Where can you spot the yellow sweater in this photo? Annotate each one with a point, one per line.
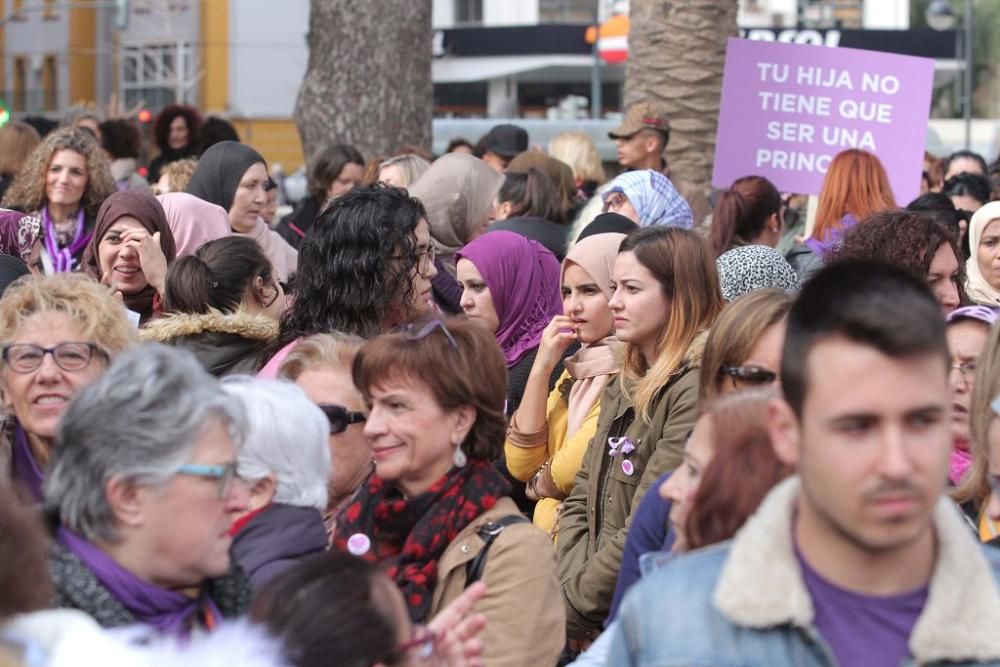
(567, 453)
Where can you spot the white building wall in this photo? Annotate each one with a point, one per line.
(509, 12)
(163, 22)
(443, 14)
(267, 57)
(35, 37)
(887, 14)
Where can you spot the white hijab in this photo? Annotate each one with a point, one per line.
(978, 288)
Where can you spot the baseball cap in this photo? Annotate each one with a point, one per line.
(507, 140)
(642, 116)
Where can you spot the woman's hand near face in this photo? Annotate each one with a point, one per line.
(151, 257)
(556, 339)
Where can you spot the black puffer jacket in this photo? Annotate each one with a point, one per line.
(224, 343)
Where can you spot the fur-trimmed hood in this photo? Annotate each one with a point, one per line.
(225, 343)
(761, 583)
(241, 323)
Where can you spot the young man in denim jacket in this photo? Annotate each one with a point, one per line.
(859, 559)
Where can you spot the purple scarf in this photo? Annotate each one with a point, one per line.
(523, 278)
(24, 466)
(167, 611)
(823, 247)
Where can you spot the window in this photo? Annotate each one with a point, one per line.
(17, 11)
(468, 12)
(20, 101)
(158, 74)
(566, 11)
(50, 84)
(49, 13)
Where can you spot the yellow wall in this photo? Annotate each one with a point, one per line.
(82, 55)
(214, 91)
(277, 139)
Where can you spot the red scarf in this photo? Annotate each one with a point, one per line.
(408, 535)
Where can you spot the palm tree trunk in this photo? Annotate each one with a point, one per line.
(677, 49)
(368, 82)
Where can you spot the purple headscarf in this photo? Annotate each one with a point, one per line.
(168, 611)
(18, 233)
(523, 278)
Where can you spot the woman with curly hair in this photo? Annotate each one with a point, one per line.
(64, 182)
(176, 132)
(915, 242)
(365, 266)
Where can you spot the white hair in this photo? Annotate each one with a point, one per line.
(287, 436)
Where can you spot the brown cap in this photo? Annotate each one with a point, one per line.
(642, 116)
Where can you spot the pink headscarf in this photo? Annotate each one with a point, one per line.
(193, 221)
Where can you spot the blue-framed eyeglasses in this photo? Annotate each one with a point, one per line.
(224, 474)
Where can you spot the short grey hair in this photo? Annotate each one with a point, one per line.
(139, 422)
(287, 435)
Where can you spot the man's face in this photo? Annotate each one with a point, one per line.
(871, 446)
(639, 149)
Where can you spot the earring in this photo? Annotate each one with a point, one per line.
(460, 459)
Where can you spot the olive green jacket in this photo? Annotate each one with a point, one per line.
(598, 512)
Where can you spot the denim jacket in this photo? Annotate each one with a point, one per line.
(744, 602)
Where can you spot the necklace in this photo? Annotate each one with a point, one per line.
(62, 258)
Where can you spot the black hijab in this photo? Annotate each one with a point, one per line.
(220, 170)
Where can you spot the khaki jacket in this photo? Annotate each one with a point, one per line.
(525, 618)
(598, 513)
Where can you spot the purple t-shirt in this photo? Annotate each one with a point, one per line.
(863, 629)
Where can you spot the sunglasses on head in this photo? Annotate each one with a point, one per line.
(340, 417)
(419, 330)
(754, 375)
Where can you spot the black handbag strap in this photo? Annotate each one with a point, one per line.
(488, 532)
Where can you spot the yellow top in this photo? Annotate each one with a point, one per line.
(988, 529)
(566, 453)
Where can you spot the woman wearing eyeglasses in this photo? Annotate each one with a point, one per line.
(321, 366)
(60, 333)
(435, 392)
(234, 176)
(131, 249)
(743, 351)
(647, 197)
(222, 303)
(285, 464)
(143, 480)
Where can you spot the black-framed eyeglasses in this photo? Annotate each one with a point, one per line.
(420, 330)
(71, 357)
(752, 375)
(224, 474)
(425, 257)
(340, 417)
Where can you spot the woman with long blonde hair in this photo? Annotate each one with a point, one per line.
(666, 296)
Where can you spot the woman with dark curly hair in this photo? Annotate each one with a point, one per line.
(365, 266)
(176, 133)
(63, 182)
(915, 242)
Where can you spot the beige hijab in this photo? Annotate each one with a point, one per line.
(458, 192)
(592, 366)
(978, 288)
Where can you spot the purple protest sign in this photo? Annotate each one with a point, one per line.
(788, 109)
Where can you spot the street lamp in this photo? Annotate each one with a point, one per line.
(941, 16)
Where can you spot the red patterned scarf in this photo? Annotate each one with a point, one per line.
(408, 535)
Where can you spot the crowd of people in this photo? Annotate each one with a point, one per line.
(491, 408)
